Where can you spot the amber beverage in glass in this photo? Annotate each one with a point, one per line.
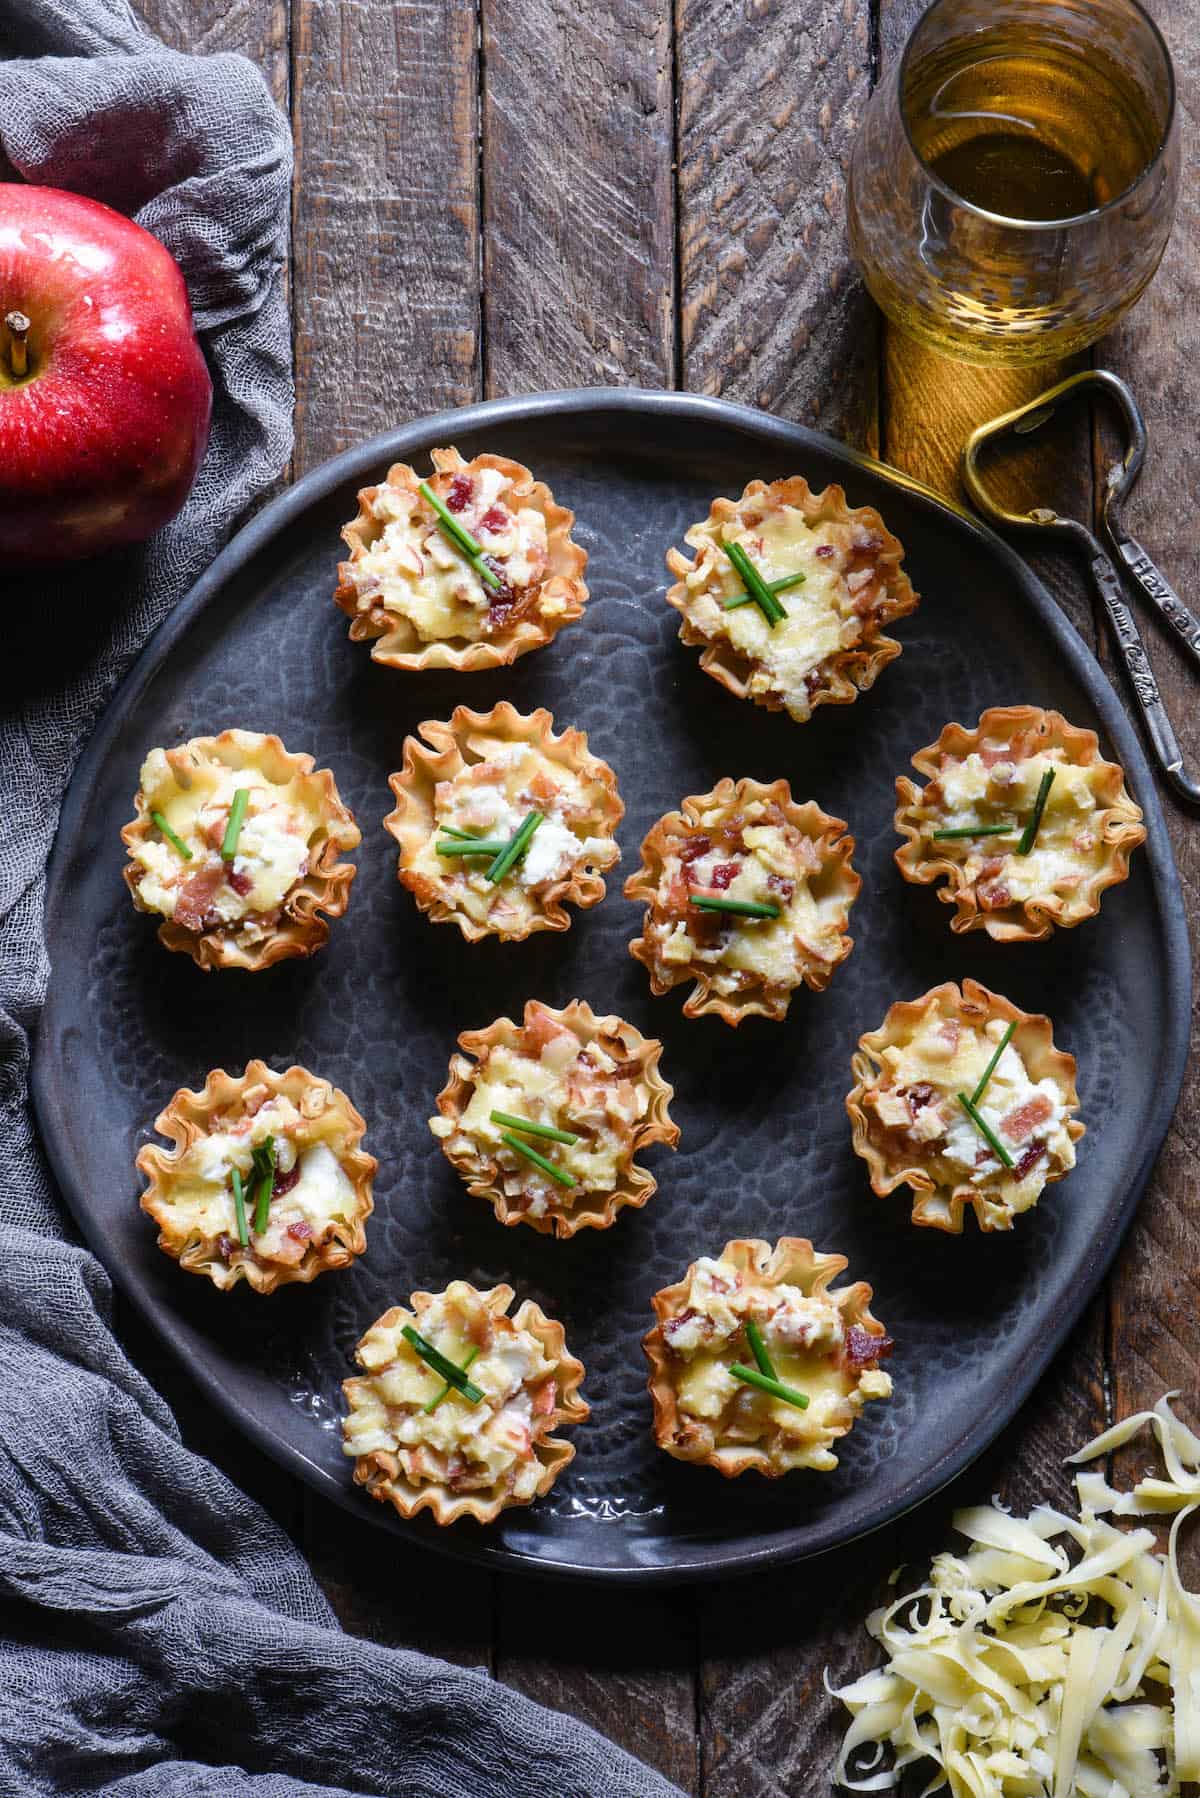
(1013, 183)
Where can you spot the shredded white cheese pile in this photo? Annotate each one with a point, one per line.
(1058, 1655)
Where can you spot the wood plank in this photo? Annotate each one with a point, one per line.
(255, 28)
(578, 194)
(769, 101)
(1156, 1288)
(385, 293)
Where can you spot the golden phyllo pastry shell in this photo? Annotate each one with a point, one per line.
(1116, 824)
(380, 1472)
(191, 1115)
(885, 594)
(449, 750)
(396, 643)
(942, 1207)
(792, 1262)
(621, 1042)
(320, 893)
(834, 848)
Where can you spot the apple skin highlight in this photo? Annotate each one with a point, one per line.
(101, 437)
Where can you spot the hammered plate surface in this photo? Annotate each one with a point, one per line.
(765, 1147)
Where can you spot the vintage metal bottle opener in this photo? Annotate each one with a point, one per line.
(1124, 554)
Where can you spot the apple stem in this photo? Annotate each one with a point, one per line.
(18, 348)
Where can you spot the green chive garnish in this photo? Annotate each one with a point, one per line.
(263, 1168)
(985, 1130)
(490, 846)
(239, 1206)
(733, 600)
(750, 1376)
(1035, 817)
(756, 587)
(453, 1376)
(758, 1349)
(746, 908)
(447, 1389)
(465, 836)
(233, 828)
(177, 843)
(990, 1069)
(547, 1167)
(976, 830)
(513, 851)
(529, 1128)
(460, 536)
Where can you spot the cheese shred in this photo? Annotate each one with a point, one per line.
(1058, 1655)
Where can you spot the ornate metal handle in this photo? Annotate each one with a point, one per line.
(1159, 729)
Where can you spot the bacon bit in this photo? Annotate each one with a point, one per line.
(990, 867)
(459, 496)
(825, 550)
(863, 1348)
(494, 519)
(1033, 1154)
(539, 1033)
(1017, 1125)
(543, 789)
(995, 898)
(777, 884)
(301, 1230)
(285, 1182)
(507, 605)
(673, 1325)
(193, 906)
(865, 600)
(1085, 841)
(544, 1399)
(919, 1096)
(694, 848)
(723, 873)
(227, 1246)
(214, 833)
(949, 1031)
(241, 883)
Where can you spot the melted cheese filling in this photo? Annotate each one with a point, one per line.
(805, 1338)
(918, 1101)
(1058, 1655)
(745, 950)
(567, 1086)
(491, 798)
(199, 1190)
(490, 1444)
(1070, 846)
(272, 846)
(822, 618)
(414, 571)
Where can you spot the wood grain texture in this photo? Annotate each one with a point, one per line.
(385, 293)
(1155, 1342)
(579, 264)
(769, 100)
(258, 29)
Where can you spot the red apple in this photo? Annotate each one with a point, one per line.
(104, 396)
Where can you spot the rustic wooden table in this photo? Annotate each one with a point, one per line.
(491, 199)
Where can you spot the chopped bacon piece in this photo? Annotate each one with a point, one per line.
(459, 496)
(723, 873)
(543, 789)
(825, 550)
(226, 1245)
(864, 1348)
(543, 1030)
(301, 1230)
(673, 1325)
(694, 848)
(214, 832)
(285, 1182)
(1032, 1155)
(919, 1096)
(543, 1399)
(995, 898)
(990, 867)
(241, 883)
(785, 888)
(1017, 1125)
(494, 519)
(508, 605)
(194, 904)
(949, 1030)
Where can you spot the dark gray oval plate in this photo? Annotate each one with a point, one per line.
(766, 1147)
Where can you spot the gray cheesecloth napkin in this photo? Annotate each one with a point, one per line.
(158, 1634)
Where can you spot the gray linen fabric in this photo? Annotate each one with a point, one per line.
(158, 1634)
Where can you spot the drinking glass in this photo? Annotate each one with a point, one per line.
(1013, 183)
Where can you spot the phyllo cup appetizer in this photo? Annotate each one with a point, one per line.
(1022, 820)
(469, 568)
(455, 1408)
(963, 1096)
(543, 1119)
(501, 823)
(756, 1364)
(788, 593)
(749, 896)
(236, 846)
(265, 1180)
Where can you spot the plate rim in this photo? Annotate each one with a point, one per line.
(708, 1560)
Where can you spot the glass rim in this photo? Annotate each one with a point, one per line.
(1074, 218)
